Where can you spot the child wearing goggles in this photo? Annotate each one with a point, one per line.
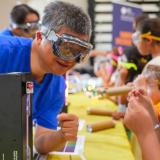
(147, 37)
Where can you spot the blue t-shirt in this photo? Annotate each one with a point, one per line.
(6, 32)
(48, 97)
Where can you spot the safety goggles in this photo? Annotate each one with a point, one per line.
(67, 47)
(27, 27)
(137, 37)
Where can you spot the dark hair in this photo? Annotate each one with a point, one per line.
(150, 25)
(61, 14)
(117, 51)
(19, 12)
(139, 19)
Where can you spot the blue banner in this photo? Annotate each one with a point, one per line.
(123, 17)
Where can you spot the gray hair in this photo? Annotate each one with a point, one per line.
(59, 14)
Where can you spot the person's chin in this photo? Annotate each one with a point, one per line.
(58, 72)
(145, 54)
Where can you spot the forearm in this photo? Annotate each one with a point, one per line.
(158, 133)
(155, 122)
(49, 141)
(150, 146)
(95, 53)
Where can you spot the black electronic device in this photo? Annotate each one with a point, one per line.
(16, 116)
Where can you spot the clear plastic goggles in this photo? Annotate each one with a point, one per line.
(27, 27)
(137, 37)
(68, 47)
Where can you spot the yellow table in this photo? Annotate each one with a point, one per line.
(111, 144)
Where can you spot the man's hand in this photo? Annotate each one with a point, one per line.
(69, 126)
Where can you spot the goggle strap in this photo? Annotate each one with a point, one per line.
(52, 36)
(49, 34)
(13, 25)
(148, 35)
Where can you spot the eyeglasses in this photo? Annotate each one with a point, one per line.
(137, 36)
(68, 47)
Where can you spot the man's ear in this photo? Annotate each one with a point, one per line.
(39, 36)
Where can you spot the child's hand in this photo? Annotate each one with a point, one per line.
(140, 115)
(137, 118)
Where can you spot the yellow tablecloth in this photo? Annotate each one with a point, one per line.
(111, 144)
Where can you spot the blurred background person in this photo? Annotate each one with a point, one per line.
(107, 64)
(140, 118)
(147, 39)
(130, 64)
(148, 82)
(24, 22)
